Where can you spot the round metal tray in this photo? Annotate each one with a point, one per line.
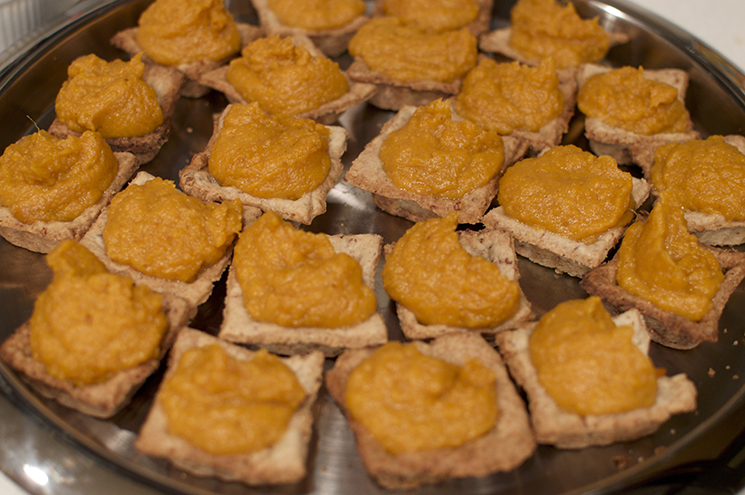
(79, 454)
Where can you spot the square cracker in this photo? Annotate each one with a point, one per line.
(166, 82)
(282, 462)
(625, 146)
(366, 172)
(238, 326)
(42, 237)
(327, 113)
(496, 246)
(197, 181)
(196, 291)
(567, 430)
(104, 399)
(126, 40)
(665, 327)
(503, 448)
(561, 253)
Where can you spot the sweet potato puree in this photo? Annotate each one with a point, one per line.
(410, 401)
(89, 324)
(296, 279)
(269, 157)
(545, 28)
(568, 191)
(433, 16)
(175, 32)
(625, 98)
(246, 405)
(587, 364)
(108, 97)
(706, 176)
(509, 96)
(163, 232)
(661, 262)
(285, 78)
(46, 179)
(407, 54)
(434, 155)
(430, 273)
(316, 14)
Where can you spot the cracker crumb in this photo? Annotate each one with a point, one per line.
(621, 462)
(672, 431)
(735, 342)
(659, 450)
(735, 377)
(726, 367)
(189, 130)
(711, 372)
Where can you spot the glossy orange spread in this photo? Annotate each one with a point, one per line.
(46, 179)
(89, 324)
(430, 273)
(174, 32)
(412, 402)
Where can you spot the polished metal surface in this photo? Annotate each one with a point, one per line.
(93, 456)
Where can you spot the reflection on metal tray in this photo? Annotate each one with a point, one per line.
(86, 455)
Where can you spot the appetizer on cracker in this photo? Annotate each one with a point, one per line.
(427, 162)
(588, 378)
(235, 414)
(53, 189)
(285, 165)
(292, 291)
(427, 413)
(94, 337)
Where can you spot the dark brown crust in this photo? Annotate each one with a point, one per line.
(503, 448)
(167, 83)
(197, 181)
(283, 462)
(567, 430)
(495, 246)
(332, 42)
(126, 40)
(666, 327)
(104, 399)
(366, 172)
(42, 237)
(325, 114)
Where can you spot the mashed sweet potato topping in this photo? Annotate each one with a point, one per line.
(706, 176)
(46, 179)
(625, 98)
(408, 54)
(430, 273)
(175, 32)
(410, 401)
(296, 279)
(316, 14)
(587, 364)
(433, 16)
(165, 233)
(285, 78)
(661, 262)
(108, 97)
(89, 324)
(509, 96)
(270, 157)
(245, 404)
(568, 191)
(545, 28)
(434, 155)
